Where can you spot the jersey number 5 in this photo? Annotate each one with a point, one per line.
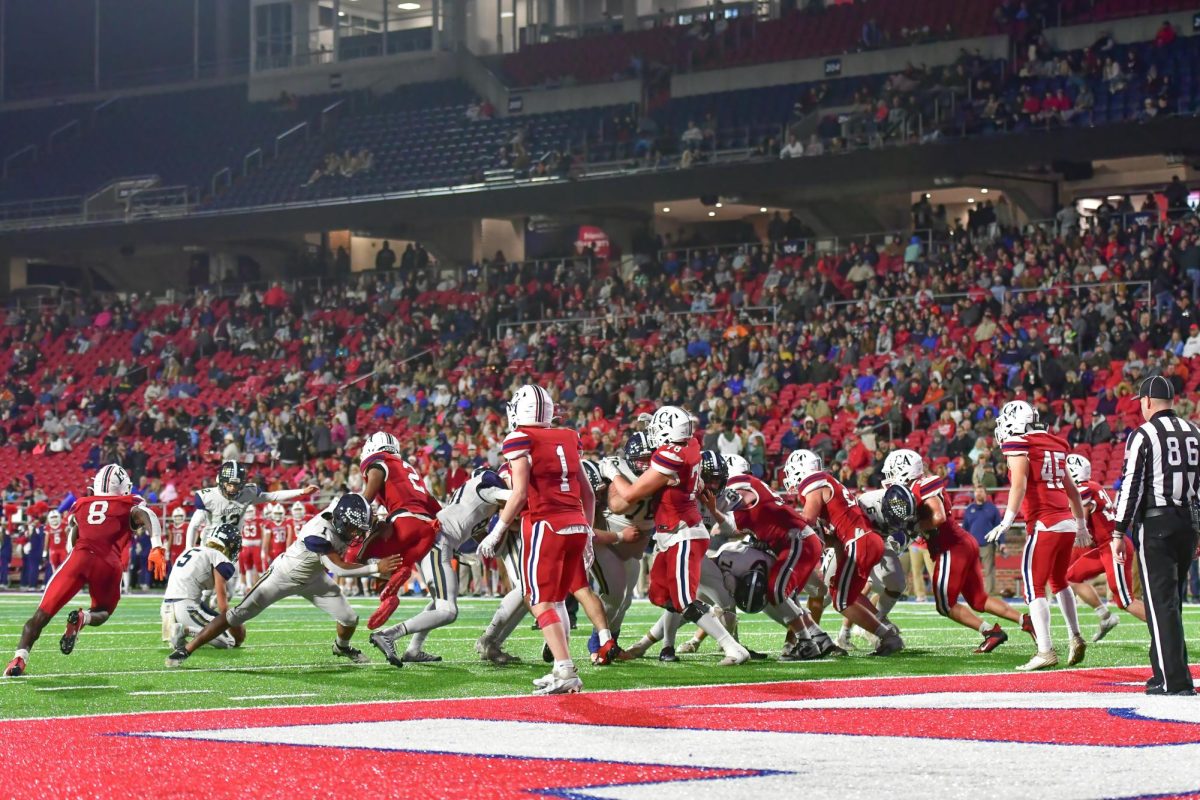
(1054, 469)
(97, 512)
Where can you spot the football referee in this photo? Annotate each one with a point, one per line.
(1158, 490)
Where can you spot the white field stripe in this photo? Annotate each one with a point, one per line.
(272, 696)
(72, 688)
(172, 691)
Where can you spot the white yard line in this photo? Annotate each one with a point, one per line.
(71, 688)
(273, 696)
(172, 691)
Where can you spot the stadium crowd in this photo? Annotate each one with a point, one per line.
(775, 345)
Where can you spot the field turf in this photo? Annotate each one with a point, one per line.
(286, 659)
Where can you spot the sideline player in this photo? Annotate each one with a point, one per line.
(56, 540)
(196, 572)
(858, 546)
(465, 515)
(556, 505)
(277, 531)
(1054, 521)
(177, 525)
(226, 503)
(302, 570)
(957, 570)
(250, 555)
(100, 527)
(675, 482)
(1096, 560)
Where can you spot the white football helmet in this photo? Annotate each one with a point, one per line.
(902, 467)
(379, 442)
(670, 425)
(298, 511)
(1079, 468)
(250, 515)
(275, 512)
(111, 481)
(799, 465)
(54, 520)
(179, 516)
(530, 405)
(1015, 418)
(736, 464)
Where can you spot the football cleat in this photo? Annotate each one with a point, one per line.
(827, 646)
(387, 607)
(607, 652)
(1076, 650)
(1040, 661)
(178, 636)
(735, 657)
(74, 624)
(843, 640)
(1106, 625)
(992, 639)
(15, 668)
(667, 655)
(1027, 626)
(630, 653)
(491, 652)
(755, 655)
(803, 650)
(690, 646)
(386, 645)
(565, 684)
(177, 658)
(888, 644)
(351, 652)
(420, 657)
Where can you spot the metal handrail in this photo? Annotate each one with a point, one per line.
(302, 126)
(29, 148)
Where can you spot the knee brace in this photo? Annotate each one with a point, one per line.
(695, 610)
(547, 618)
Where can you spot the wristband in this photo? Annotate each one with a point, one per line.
(499, 528)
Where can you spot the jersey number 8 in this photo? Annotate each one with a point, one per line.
(97, 512)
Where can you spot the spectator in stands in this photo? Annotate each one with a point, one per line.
(692, 136)
(1166, 35)
(1176, 193)
(793, 148)
(385, 259)
(979, 518)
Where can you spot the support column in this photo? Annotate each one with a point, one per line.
(435, 9)
(629, 15)
(337, 29)
(195, 39)
(96, 45)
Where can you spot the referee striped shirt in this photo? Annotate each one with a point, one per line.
(1162, 468)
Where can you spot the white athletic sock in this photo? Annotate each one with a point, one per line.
(397, 630)
(658, 630)
(846, 626)
(984, 628)
(21, 653)
(342, 643)
(1066, 604)
(671, 625)
(509, 606)
(886, 603)
(716, 630)
(565, 667)
(85, 617)
(1102, 611)
(605, 637)
(883, 630)
(1039, 615)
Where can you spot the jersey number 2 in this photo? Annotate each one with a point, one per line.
(97, 512)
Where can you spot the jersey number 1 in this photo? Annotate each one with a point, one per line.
(565, 486)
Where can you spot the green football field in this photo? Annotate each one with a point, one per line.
(286, 659)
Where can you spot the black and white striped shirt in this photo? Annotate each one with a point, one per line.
(1162, 468)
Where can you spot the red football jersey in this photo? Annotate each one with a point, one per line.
(841, 510)
(555, 474)
(770, 518)
(178, 537)
(251, 532)
(104, 524)
(57, 540)
(1045, 495)
(677, 504)
(403, 488)
(1102, 520)
(949, 533)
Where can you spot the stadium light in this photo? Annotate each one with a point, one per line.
(506, 14)
(409, 6)
(719, 205)
(762, 210)
(984, 190)
(970, 199)
(341, 13)
(666, 209)
(712, 213)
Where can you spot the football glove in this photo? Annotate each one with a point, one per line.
(157, 561)
(997, 533)
(729, 499)
(1082, 537)
(610, 468)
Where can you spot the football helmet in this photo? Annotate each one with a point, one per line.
(713, 471)
(231, 478)
(1079, 468)
(669, 425)
(592, 471)
(902, 467)
(54, 520)
(530, 405)
(351, 517)
(225, 538)
(250, 515)
(299, 512)
(275, 512)
(638, 452)
(379, 442)
(1015, 418)
(111, 481)
(736, 465)
(899, 507)
(750, 594)
(799, 465)
(178, 516)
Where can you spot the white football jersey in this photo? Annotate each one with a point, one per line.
(220, 510)
(469, 510)
(736, 559)
(300, 563)
(641, 517)
(872, 503)
(192, 574)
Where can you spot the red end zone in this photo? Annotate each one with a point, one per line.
(1090, 733)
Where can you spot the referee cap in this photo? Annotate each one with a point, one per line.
(1157, 388)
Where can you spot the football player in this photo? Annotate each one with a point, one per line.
(466, 515)
(411, 525)
(99, 527)
(226, 503)
(1054, 521)
(557, 506)
(858, 546)
(177, 526)
(512, 608)
(196, 572)
(1098, 559)
(278, 532)
(957, 570)
(674, 482)
(250, 557)
(302, 571)
(57, 546)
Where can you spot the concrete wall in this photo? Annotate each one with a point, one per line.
(507, 235)
(380, 74)
(541, 101)
(853, 65)
(1139, 29)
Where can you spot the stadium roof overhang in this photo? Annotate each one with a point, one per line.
(769, 181)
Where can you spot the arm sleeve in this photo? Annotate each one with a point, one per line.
(225, 570)
(316, 544)
(282, 496)
(352, 572)
(194, 527)
(1132, 478)
(155, 527)
(493, 495)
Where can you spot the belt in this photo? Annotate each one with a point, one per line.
(1163, 511)
(404, 513)
(176, 600)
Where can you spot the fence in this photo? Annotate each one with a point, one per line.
(754, 315)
